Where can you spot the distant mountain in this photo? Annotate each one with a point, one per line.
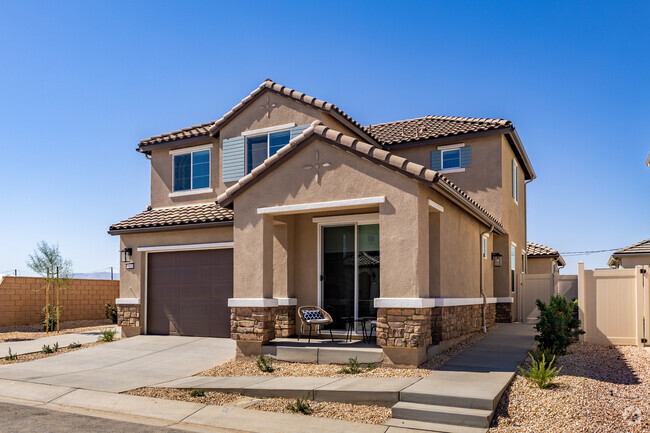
(97, 276)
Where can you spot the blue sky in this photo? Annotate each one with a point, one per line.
(82, 82)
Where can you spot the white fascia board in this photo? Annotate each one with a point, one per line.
(436, 206)
(324, 205)
(253, 302)
(283, 302)
(188, 247)
(430, 302)
(269, 129)
(127, 301)
(190, 149)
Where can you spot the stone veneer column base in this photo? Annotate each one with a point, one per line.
(452, 322)
(285, 321)
(128, 318)
(504, 312)
(404, 334)
(251, 327)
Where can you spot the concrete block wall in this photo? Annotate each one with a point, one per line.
(22, 299)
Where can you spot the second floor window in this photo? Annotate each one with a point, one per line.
(192, 170)
(260, 147)
(450, 159)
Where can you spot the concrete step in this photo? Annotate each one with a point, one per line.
(441, 399)
(401, 425)
(442, 414)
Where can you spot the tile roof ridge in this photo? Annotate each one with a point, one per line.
(629, 247)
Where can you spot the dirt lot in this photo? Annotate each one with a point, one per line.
(600, 389)
(31, 332)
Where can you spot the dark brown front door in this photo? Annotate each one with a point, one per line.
(187, 293)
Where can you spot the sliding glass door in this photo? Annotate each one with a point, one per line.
(350, 272)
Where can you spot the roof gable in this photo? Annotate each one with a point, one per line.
(642, 248)
(534, 250)
(412, 170)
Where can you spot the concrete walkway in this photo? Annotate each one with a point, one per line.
(134, 362)
(35, 345)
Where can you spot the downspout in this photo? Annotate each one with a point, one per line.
(484, 307)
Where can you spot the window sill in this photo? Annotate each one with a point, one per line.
(452, 170)
(191, 192)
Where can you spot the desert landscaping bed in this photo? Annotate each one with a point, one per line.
(285, 369)
(39, 355)
(342, 411)
(31, 332)
(600, 389)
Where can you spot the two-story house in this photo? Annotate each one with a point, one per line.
(287, 201)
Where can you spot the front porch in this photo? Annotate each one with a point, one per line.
(323, 350)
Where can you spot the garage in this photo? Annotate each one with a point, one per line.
(188, 291)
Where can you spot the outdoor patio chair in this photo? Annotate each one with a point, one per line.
(314, 316)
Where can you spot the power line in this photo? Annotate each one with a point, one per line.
(586, 253)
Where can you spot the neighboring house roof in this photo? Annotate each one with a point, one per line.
(534, 250)
(184, 216)
(640, 248)
(416, 171)
(429, 127)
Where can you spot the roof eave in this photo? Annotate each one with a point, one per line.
(519, 146)
(181, 226)
(188, 141)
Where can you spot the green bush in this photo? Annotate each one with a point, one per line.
(74, 345)
(197, 393)
(52, 321)
(265, 364)
(107, 335)
(111, 312)
(47, 349)
(558, 325)
(546, 354)
(11, 356)
(541, 372)
(353, 367)
(301, 406)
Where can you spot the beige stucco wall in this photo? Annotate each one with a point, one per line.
(132, 281)
(540, 265)
(629, 262)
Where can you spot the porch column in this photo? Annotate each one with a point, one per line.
(283, 289)
(252, 308)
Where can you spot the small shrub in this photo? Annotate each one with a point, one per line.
(540, 353)
(107, 335)
(265, 364)
(74, 345)
(370, 367)
(111, 312)
(301, 406)
(353, 367)
(541, 372)
(197, 393)
(47, 349)
(11, 356)
(558, 326)
(49, 326)
(55, 347)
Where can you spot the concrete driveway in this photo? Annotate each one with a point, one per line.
(125, 364)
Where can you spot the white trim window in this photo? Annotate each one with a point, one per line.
(554, 267)
(191, 169)
(513, 256)
(484, 249)
(262, 146)
(515, 181)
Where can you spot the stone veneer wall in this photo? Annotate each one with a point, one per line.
(128, 315)
(453, 322)
(254, 324)
(403, 327)
(285, 321)
(504, 312)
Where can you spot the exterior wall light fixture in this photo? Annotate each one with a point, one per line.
(497, 260)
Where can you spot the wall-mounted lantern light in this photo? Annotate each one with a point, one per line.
(125, 255)
(497, 259)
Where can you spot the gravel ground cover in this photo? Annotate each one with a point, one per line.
(38, 355)
(31, 332)
(347, 412)
(600, 389)
(210, 397)
(284, 369)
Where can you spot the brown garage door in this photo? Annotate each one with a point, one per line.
(187, 293)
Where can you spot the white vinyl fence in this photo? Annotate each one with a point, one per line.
(542, 287)
(614, 305)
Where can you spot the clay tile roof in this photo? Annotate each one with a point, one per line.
(642, 247)
(202, 130)
(395, 162)
(175, 216)
(537, 250)
(430, 127)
